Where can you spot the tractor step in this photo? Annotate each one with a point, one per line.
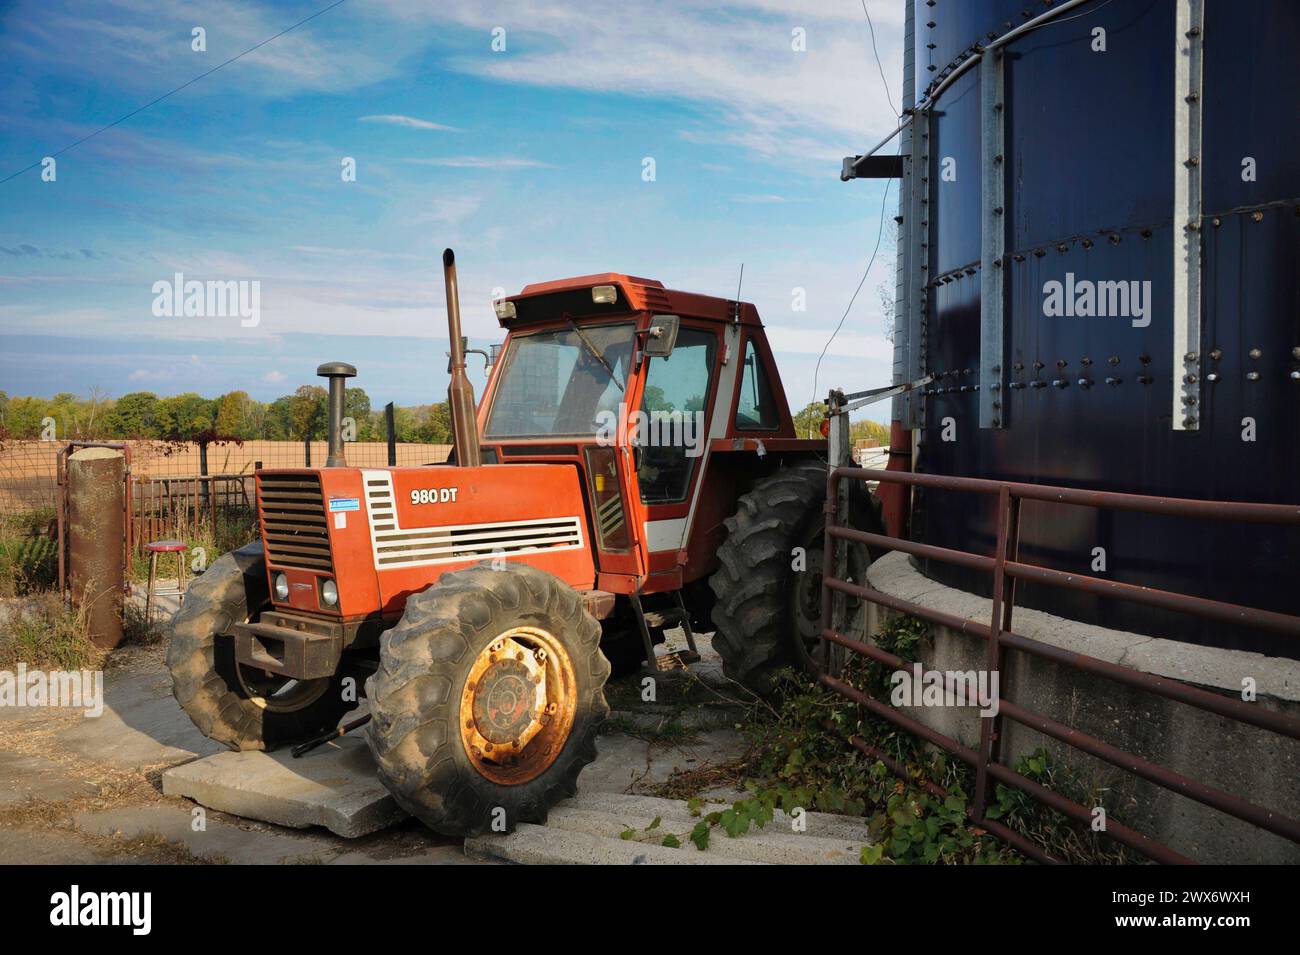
(682, 659)
(661, 618)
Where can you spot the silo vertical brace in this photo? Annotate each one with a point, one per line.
(1189, 37)
(992, 240)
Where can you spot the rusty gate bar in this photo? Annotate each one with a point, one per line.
(1161, 686)
(1216, 798)
(1116, 830)
(1006, 569)
(990, 729)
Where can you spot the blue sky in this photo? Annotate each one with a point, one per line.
(528, 161)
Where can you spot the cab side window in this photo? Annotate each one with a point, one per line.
(674, 418)
(755, 408)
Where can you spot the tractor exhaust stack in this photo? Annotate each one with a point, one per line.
(460, 393)
(338, 372)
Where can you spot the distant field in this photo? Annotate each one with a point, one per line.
(27, 468)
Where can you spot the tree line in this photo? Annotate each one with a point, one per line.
(300, 416)
(235, 415)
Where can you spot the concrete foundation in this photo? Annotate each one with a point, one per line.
(1245, 761)
(335, 786)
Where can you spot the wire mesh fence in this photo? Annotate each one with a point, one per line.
(180, 486)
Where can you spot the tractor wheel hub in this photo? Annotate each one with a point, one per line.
(510, 698)
(518, 705)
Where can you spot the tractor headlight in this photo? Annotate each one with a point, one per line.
(604, 294)
(281, 587)
(329, 594)
(505, 310)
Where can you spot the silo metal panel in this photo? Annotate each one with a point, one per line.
(1090, 195)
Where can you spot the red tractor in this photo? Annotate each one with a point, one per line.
(633, 467)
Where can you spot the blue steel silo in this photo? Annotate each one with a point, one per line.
(1100, 259)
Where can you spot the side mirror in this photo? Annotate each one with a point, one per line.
(661, 336)
(494, 353)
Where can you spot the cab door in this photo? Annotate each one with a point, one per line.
(615, 516)
(671, 432)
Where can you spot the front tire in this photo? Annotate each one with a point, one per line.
(239, 708)
(488, 698)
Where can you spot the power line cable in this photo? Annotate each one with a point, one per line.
(871, 26)
(159, 99)
(880, 233)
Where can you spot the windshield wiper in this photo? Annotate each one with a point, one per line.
(595, 351)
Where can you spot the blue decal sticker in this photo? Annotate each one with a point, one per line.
(345, 504)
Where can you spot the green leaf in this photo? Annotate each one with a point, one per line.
(671, 842)
(700, 835)
(695, 804)
(655, 824)
(627, 834)
(872, 854)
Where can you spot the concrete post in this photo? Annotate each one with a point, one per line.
(96, 539)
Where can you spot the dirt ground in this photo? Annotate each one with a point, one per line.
(77, 789)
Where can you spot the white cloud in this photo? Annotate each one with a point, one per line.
(479, 162)
(273, 377)
(737, 59)
(408, 121)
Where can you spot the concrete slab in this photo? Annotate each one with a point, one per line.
(639, 811)
(541, 845)
(631, 764)
(335, 786)
(607, 828)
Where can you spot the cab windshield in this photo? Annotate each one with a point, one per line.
(555, 383)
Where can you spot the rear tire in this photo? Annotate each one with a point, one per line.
(767, 614)
(223, 698)
(436, 708)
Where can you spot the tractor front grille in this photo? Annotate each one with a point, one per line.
(294, 530)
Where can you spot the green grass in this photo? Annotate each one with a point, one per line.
(45, 634)
(29, 560)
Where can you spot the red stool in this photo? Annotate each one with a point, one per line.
(164, 547)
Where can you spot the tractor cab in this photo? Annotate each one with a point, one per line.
(655, 397)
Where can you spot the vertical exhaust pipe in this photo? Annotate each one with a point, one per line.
(338, 372)
(460, 393)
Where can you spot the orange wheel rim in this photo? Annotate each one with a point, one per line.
(518, 705)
